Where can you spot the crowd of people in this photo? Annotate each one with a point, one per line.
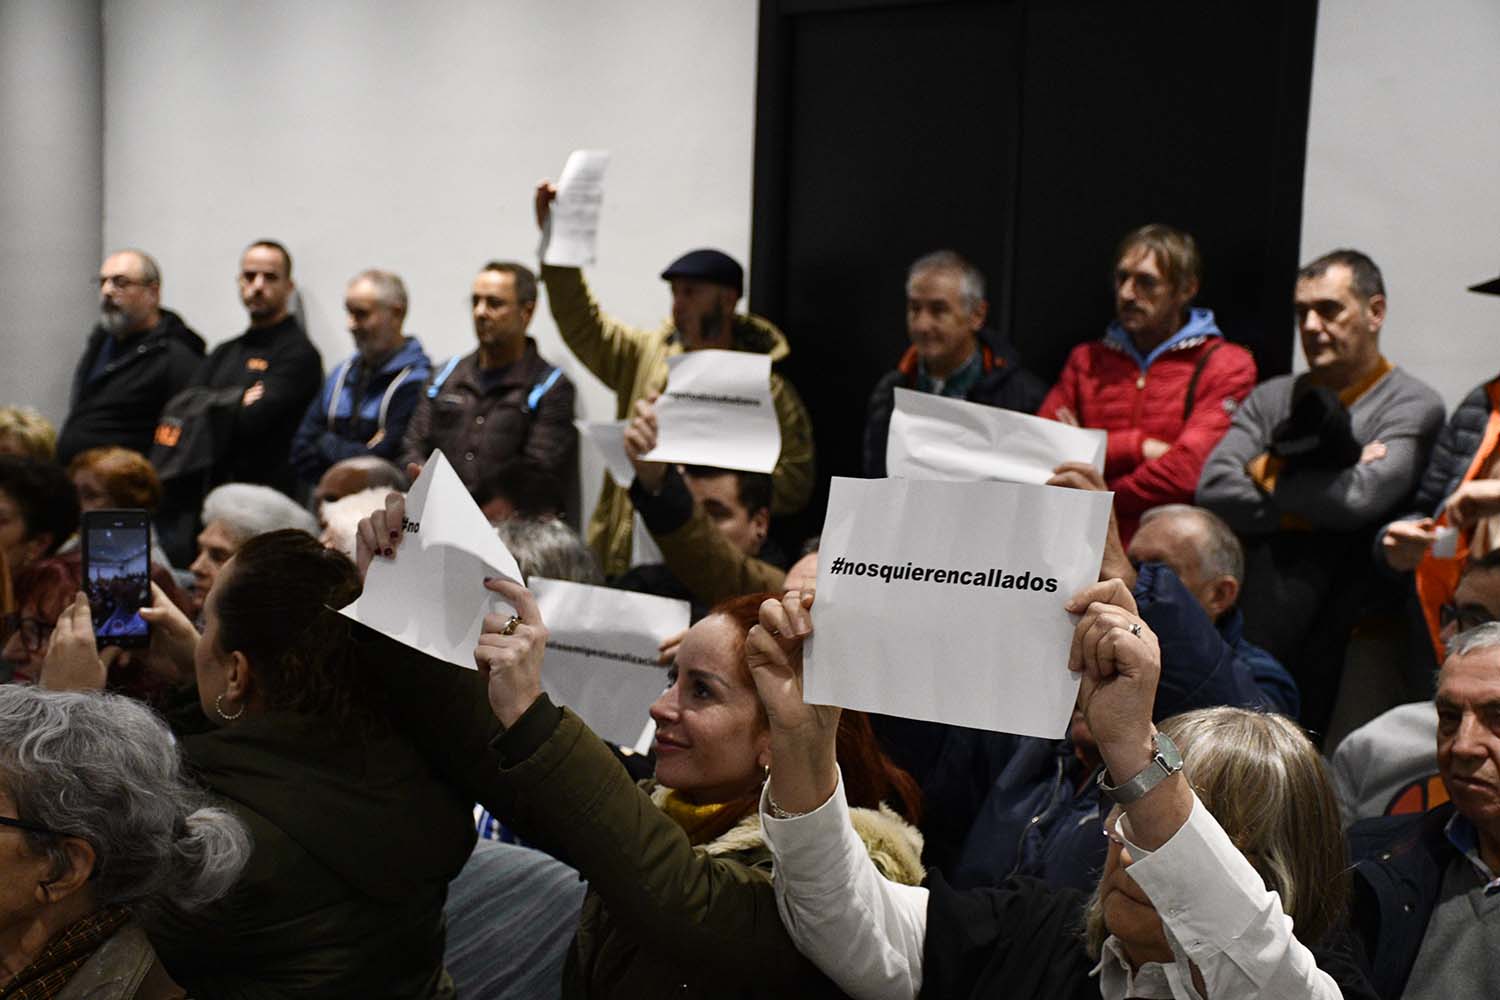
(1281, 778)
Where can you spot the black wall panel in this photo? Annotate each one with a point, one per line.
(1029, 135)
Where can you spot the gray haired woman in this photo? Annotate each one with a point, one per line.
(96, 825)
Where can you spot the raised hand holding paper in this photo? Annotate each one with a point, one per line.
(933, 437)
(944, 601)
(431, 596)
(601, 654)
(717, 410)
(571, 235)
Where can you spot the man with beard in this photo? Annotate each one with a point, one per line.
(137, 357)
(273, 370)
(706, 285)
(1163, 381)
(503, 401)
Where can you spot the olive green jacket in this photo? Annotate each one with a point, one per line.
(662, 917)
(633, 362)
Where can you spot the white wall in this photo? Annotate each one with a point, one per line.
(410, 136)
(50, 195)
(1403, 162)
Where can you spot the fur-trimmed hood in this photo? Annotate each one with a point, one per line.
(893, 844)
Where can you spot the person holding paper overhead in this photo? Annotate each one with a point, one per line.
(710, 524)
(680, 900)
(1163, 381)
(1180, 911)
(706, 285)
(952, 352)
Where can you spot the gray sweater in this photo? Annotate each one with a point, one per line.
(1399, 411)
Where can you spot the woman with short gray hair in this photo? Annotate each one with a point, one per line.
(97, 824)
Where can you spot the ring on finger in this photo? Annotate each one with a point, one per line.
(1135, 629)
(510, 626)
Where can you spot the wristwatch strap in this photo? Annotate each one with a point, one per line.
(1164, 763)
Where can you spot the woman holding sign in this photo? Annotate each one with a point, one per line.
(1179, 911)
(680, 901)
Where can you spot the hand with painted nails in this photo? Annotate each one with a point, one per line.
(380, 533)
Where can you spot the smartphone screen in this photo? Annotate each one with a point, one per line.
(117, 574)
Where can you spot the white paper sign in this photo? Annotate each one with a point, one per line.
(608, 438)
(601, 654)
(571, 233)
(933, 437)
(431, 596)
(944, 601)
(717, 410)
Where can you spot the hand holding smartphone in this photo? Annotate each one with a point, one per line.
(117, 575)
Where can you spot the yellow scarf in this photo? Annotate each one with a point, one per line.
(693, 818)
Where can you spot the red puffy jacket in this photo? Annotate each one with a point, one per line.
(1105, 388)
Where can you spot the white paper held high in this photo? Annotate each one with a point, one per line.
(431, 596)
(571, 235)
(944, 601)
(717, 410)
(933, 437)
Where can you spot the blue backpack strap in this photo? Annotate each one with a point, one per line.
(540, 389)
(442, 376)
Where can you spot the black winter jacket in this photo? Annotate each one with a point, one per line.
(1398, 874)
(120, 407)
(1004, 384)
(1453, 451)
(285, 362)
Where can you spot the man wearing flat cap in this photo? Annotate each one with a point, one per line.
(706, 285)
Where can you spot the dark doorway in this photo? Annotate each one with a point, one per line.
(1029, 135)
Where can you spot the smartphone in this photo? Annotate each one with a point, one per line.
(117, 575)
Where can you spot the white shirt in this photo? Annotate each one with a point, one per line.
(866, 933)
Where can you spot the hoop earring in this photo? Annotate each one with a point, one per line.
(219, 707)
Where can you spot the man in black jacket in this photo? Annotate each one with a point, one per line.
(274, 366)
(137, 357)
(952, 352)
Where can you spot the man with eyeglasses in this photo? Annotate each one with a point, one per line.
(137, 357)
(1387, 766)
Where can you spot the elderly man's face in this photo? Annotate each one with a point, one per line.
(1178, 541)
(265, 285)
(699, 311)
(1340, 331)
(127, 304)
(942, 327)
(374, 323)
(216, 546)
(1468, 747)
(1147, 305)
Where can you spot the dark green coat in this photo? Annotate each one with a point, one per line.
(661, 918)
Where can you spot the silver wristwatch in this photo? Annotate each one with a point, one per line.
(1164, 763)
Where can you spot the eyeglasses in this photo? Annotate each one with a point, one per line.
(31, 827)
(120, 282)
(1467, 616)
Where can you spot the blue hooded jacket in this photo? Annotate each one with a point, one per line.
(1200, 324)
(338, 425)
